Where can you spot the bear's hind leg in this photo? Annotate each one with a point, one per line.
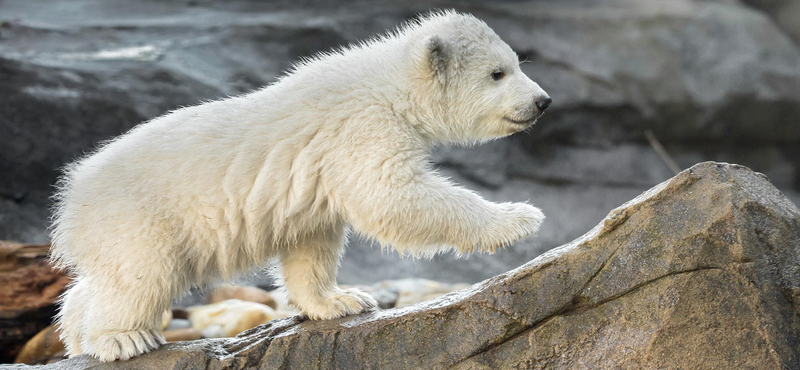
(126, 312)
(70, 317)
(309, 274)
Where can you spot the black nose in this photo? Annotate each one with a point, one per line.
(543, 103)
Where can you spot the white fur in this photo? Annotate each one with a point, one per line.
(209, 191)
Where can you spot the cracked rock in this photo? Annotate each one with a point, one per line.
(700, 272)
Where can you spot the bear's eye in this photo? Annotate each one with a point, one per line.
(497, 75)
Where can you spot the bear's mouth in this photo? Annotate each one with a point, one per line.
(525, 122)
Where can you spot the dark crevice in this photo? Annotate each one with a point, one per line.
(583, 308)
(599, 270)
(564, 181)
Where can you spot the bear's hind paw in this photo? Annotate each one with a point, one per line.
(124, 345)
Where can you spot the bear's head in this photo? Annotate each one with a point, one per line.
(476, 90)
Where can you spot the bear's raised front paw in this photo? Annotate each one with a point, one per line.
(519, 220)
(122, 345)
(525, 218)
(339, 303)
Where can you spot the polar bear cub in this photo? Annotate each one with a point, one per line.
(206, 192)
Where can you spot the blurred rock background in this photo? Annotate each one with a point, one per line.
(709, 80)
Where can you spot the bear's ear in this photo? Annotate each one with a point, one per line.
(434, 57)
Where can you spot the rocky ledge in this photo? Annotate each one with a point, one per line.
(700, 272)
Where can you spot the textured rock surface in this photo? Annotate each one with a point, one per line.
(714, 80)
(700, 272)
(28, 290)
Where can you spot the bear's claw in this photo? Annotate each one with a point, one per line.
(341, 302)
(124, 345)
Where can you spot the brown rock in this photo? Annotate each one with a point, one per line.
(179, 335)
(700, 272)
(42, 346)
(244, 293)
(230, 317)
(29, 288)
(411, 291)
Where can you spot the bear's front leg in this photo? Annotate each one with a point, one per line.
(309, 275)
(418, 211)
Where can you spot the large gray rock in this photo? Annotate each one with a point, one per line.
(786, 14)
(50, 116)
(700, 272)
(689, 70)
